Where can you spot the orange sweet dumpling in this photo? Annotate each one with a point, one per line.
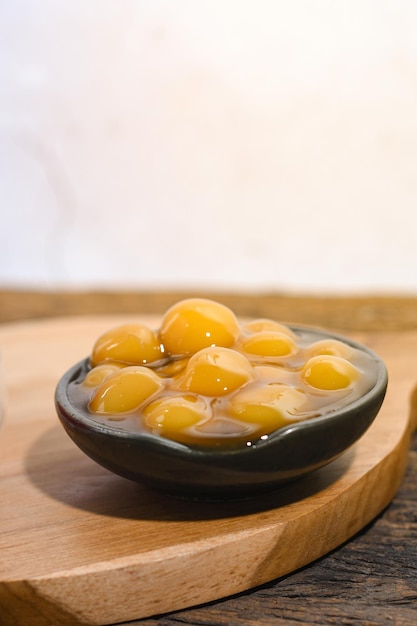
(197, 323)
(269, 343)
(328, 372)
(270, 406)
(133, 344)
(173, 414)
(125, 391)
(216, 372)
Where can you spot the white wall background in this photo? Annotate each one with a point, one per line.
(247, 144)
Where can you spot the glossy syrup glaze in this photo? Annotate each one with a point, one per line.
(204, 378)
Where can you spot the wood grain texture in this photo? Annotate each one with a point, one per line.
(362, 313)
(81, 546)
(369, 581)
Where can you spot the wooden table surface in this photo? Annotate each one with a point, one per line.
(372, 579)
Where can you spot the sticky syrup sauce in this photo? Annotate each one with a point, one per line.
(203, 378)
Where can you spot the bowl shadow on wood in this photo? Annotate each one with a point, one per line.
(56, 467)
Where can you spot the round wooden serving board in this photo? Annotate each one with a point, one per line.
(80, 545)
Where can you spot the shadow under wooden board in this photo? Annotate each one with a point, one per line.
(80, 545)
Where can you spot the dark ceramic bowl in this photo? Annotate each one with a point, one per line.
(207, 473)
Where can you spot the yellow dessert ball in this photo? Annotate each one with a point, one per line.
(96, 375)
(216, 372)
(125, 391)
(328, 372)
(269, 343)
(133, 344)
(270, 406)
(196, 323)
(171, 415)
